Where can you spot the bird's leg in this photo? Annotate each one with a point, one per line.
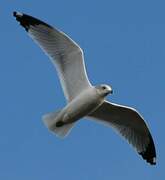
(59, 123)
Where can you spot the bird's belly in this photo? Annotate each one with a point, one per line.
(81, 106)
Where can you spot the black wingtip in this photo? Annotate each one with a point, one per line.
(26, 21)
(17, 14)
(150, 153)
(14, 13)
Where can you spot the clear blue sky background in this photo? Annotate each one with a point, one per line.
(124, 45)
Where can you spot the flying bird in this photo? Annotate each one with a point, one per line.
(84, 99)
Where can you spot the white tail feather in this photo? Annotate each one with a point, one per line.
(50, 121)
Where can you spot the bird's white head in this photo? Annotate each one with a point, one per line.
(104, 90)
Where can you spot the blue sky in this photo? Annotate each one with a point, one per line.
(124, 46)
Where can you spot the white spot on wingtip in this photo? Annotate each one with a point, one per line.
(19, 14)
(154, 160)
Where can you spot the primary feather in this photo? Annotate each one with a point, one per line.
(65, 54)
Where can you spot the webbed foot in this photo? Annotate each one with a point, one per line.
(59, 124)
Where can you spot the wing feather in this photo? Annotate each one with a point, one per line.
(130, 124)
(65, 54)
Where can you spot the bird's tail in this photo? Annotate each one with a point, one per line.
(50, 120)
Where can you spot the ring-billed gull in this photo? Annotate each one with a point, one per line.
(83, 99)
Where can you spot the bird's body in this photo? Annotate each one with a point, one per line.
(81, 106)
(83, 99)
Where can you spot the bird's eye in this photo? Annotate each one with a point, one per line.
(103, 87)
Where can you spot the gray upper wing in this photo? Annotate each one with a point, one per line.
(128, 122)
(65, 54)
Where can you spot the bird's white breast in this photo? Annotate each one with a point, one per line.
(82, 105)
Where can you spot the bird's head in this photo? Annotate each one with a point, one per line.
(104, 89)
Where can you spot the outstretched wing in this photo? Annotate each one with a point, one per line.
(129, 124)
(63, 51)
